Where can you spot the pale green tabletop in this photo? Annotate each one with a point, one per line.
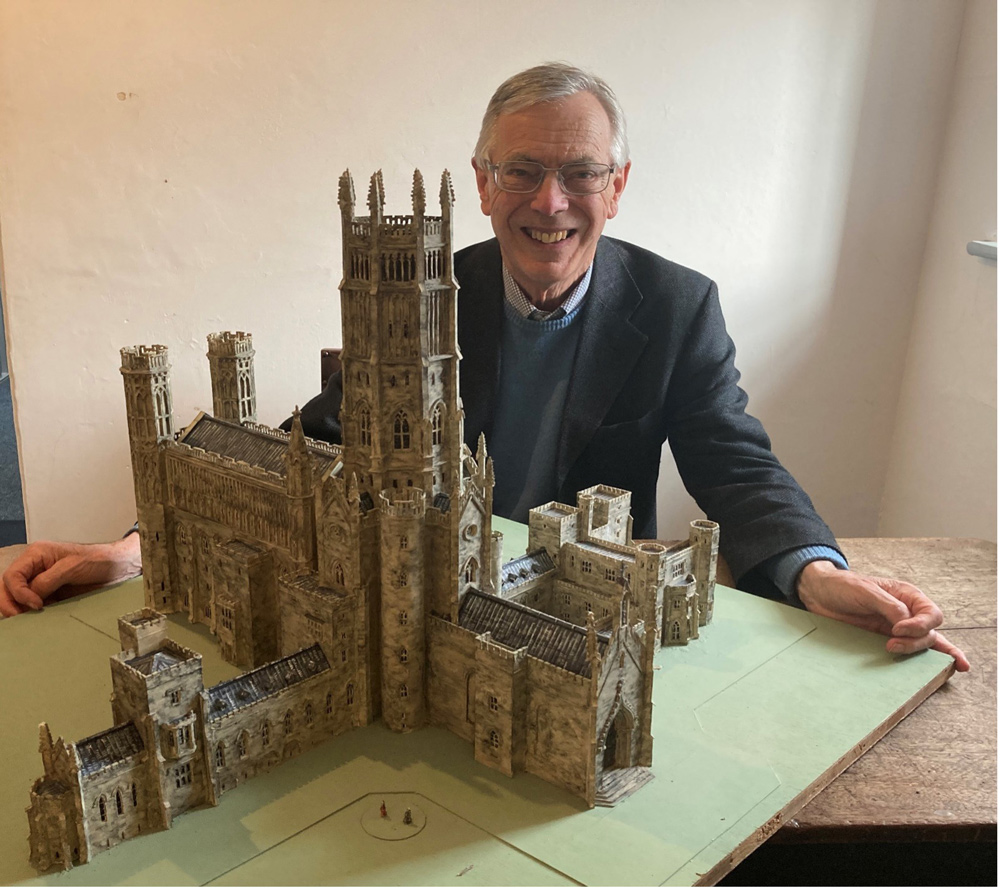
(749, 722)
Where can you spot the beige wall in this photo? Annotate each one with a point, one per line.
(170, 169)
(943, 476)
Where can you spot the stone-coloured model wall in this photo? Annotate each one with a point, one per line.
(451, 658)
(169, 693)
(253, 739)
(535, 593)
(56, 834)
(501, 703)
(571, 601)
(622, 685)
(441, 534)
(598, 568)
(241, 502)
(403, 611)
(245, 604)
(108, 825)
(560, 727)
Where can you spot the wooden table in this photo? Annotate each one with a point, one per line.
(933, 778)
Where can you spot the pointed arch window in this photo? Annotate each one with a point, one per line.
(102, 805)
(265, 734)
(241, 746)
(288, 722)
(471, 571)
(350, 692)
(338, 572)
(437, 424)
(404, 692)
(404, 655)
(401, 432)
(675, 631)
(365, 426)
(309, 713)
(119, 805)
(329, 703)
(495, 739)
(220, 756)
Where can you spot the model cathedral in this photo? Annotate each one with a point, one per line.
(364, 581)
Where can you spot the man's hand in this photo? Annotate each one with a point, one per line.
(892, 607)
(45, 566)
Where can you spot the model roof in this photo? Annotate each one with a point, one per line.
(519, 571)
(108, 747)
(515, 626)
(155, 661)
(250, 444)
(310, 583)
(258, 684)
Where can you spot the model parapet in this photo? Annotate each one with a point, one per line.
(368, 572)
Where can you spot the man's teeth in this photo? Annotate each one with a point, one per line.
(549, 237)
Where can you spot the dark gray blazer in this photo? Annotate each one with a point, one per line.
(654, 364)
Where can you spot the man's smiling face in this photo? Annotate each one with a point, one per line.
(548, 238)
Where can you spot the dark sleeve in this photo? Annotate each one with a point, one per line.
(724, 456)
(321, 416)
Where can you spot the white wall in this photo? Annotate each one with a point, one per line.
(943, 464)
(170, 169)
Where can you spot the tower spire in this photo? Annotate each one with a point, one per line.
(346, 194)
(419, 198)
(447, 194)
(376, 197)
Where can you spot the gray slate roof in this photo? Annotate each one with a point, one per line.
(515, 626)
(258, 684)
(524, 568)
(252, 446)
(155, 661)
(108, 747)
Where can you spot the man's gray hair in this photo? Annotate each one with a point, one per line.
(547, 83)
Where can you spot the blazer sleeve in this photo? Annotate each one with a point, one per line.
(320, 416)
(724, 455)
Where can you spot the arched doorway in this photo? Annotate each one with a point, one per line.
(618, 742)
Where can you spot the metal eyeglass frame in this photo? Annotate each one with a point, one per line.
(494, 168)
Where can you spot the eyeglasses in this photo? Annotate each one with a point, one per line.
(524, 177)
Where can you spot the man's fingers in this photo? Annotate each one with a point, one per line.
(961, 661)
(8, 606)
(16, 590)
(934, 640)
(50, 580)
(924, 615)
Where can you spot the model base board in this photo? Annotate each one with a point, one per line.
(751, 722)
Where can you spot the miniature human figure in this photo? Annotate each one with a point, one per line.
(407, 816)
(551, 165)
(382, 810)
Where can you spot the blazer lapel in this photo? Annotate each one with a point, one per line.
(608, 349)
(480, 320)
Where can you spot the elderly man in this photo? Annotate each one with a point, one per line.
(582, 355)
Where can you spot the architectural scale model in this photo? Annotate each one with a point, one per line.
(364, 580)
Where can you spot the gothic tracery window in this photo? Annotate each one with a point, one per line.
(437, 424)
(401, 432)
(365, 426)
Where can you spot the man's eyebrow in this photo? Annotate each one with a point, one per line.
(527, 158)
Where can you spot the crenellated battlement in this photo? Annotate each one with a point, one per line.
(403, 503)
(145, 358)
(230, 344)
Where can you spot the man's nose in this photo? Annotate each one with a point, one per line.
(549, 199)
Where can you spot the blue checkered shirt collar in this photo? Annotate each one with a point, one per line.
(519, 302)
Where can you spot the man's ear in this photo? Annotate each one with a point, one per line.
(483, 178)
(618, 182)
